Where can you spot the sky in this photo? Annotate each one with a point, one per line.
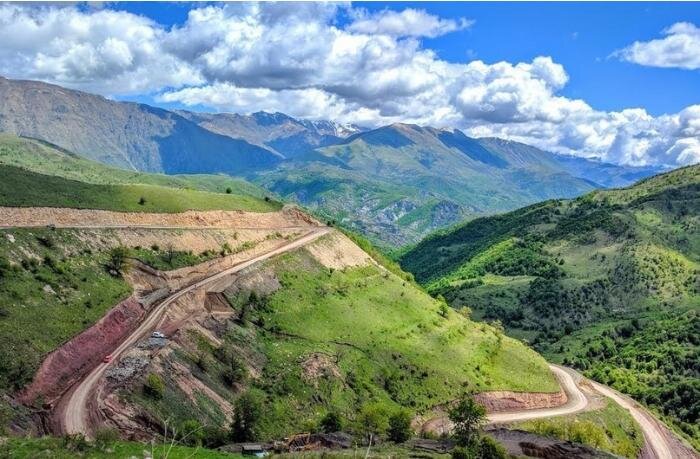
(616, 81)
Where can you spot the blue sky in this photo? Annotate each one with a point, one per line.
(616, 81)
(581, 36)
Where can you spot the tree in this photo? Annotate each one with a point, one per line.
(248, 409)
(400, 426)
(229, 190)
(117, 262)
(154, 387)
(331, 422)
(467, 417)
(443, 309)
(142, 201)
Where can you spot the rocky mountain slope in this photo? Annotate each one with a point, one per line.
(395, 184)
(281, 133)
(128, 135)
(608, 282)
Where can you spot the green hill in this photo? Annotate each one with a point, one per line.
(37, 174)
(307, 340)
(608, 283)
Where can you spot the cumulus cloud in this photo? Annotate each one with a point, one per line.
(104, 51)
(296, 58)
(680, 48)
(407, 23)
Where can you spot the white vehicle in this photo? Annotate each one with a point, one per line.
(157, 334)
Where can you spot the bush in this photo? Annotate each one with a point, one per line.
(331, 422)
(154, 387)
(373, 420)
(191, 433)
(117, 262)
(460, 452)
(106, 436)
(400, 427)
(490, 449)
(76, 442)
(247, 413)
(214, 437)
(467, 416)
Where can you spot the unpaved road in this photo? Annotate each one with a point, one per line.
(73, 415)
(653, 434)
(576, 401)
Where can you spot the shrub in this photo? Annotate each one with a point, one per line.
(214, 437)
(154, 387)
(490, 449)
(400, 426)
(106, 436)
(331, 422)
(76, 442)
(373, 420)
(460, 452)
(117, 262)
(191, 433)
(467, 416)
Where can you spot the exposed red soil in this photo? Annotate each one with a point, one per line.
(71, 362)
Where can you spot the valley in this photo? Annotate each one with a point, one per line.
(606, 283)
(394, 184)
(205, 307)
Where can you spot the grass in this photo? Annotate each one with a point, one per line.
(67, 180)
(388, 341)
(49, 292)
(381, 340)
(22, 188)
(607, 283)
(610, 428)
(63, 448)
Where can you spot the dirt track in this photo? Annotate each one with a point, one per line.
(83, 218)
(72, 412)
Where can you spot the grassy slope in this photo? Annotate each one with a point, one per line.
(610, 428)
(36, 174)
(607, 283)
(35, 319)
(384, 337)
(62, 448)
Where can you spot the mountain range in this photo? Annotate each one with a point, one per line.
(395, 183)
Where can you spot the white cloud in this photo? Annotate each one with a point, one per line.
(104, 51)
(680, 48)
(407, 23)
(295, 58)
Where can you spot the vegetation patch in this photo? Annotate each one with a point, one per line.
(610, 428)
(608, 283)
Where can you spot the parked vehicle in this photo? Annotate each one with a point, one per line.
(107, 359)
(157, 334)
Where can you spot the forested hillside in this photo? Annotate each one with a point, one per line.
(607, 283)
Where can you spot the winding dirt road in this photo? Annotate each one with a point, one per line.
(72, 415)
(575, 401)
